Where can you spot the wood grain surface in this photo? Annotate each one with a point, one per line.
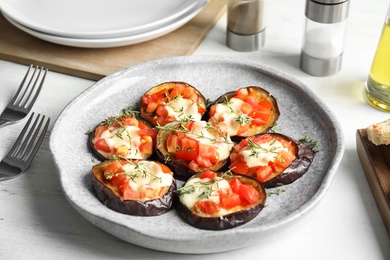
(375, 161)
(20, 47)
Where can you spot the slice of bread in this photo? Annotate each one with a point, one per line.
(379, 133)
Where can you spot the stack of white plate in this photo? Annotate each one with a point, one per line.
(99, 23)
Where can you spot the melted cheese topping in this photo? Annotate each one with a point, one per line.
(261, 154)
(124, 136)
(225, 111)
(210, 136)
(147, 174)
(202, 187)
(181, 108)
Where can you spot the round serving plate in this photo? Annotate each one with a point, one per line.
(302, 113)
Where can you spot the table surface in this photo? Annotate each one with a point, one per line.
(36, 220)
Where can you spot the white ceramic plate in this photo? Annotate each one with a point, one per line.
(161, 30)
(302, 112)
(94, 19)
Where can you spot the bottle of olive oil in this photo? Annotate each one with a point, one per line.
(378, 82)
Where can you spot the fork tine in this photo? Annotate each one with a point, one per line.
(27, 144)
(25, 90)
(37, 88)
(18, 143)
(13, 101)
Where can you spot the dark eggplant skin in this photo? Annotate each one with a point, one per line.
(166, 85)
(229, 221)
(101, 156)
(296, 169)
(180, 167)
(111, 198)
(258, 129)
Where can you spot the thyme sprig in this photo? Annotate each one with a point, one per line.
(240, 118)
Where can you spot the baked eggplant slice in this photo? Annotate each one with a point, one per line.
(273, 159)
(245, 112)
(139, 188)
(124, 136)
(189, 147)
(172, 101)
(216, 201)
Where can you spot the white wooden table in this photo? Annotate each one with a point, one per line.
(37, 222)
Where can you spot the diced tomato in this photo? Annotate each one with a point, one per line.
(113, 168)
(162, 111)
(194, 165)
(146, 99)
(249, 193)
(119, 180)
(101, 145)
(204, 162)
(148, 132)
(165, 169)
(146, 148)
(241, 93)
(186, 155)
(129, 121)
(260, 117)
(243, 129)
(213, 110)
(188, 92)
(239, 167)
(151, 107)
(229, 201)
(234, 156)
(207, 152)
(189, 144)
(264, 104)
(188, 149)
(99, 130)
(208, 207)
(246, 108)
(201, 109)
(128, 193)
(283, 159)
(235, 185)
(263, 173)
(208, 175)
(265, 138)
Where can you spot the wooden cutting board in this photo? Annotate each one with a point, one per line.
(376, 165)
(20, 47)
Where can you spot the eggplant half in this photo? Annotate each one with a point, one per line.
(192, 147)
(273, 159)
(245, 112)
(172, 101)
(117, 184)
(217, 201)
(124, 136)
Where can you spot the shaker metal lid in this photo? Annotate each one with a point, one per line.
(327, 11)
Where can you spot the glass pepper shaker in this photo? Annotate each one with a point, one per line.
(246, 25)
(324, 36)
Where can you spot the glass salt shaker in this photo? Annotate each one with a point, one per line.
(323, 40)
(246, 25)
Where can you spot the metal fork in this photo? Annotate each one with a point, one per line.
(24, 99)
(24, 149)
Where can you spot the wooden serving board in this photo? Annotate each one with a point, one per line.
(376, 165)
(20, 47)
